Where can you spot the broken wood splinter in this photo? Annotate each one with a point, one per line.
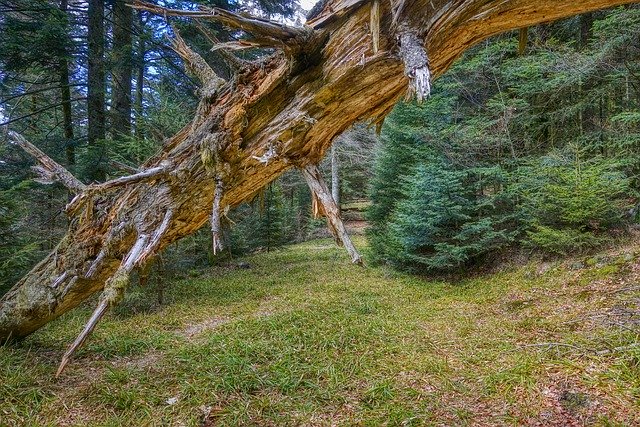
(322, 195)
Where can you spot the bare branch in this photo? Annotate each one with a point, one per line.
(337, 10)
(49, 170)
(111, 295)
(268, 33)
(196, 65)
(123, 167)
(233, 61)
(322, 194)
(92, 190)
(144, 175)
(153, 245)
(235, 45)
(215, 218)
(98, 313)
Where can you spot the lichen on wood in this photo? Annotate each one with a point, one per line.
(416, 65)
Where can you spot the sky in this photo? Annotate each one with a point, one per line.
(307, 4)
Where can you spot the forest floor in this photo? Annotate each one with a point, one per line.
(304, 338)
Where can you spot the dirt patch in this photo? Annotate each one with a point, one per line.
(145, 361)
(192, 331)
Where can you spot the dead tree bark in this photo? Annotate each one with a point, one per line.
(281, 112)
(322, 195)
(335, 175)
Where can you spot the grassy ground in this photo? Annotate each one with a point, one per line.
(304, 338)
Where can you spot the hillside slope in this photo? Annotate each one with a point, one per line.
(304, 338)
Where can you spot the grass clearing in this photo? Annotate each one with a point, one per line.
(305, 338)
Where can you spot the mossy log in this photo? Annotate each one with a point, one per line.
(279, 113)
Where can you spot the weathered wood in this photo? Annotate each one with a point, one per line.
(196, 64)
(322, 194)
(113, 292)
(284, 112)
(216, 229)
(264, 32)
(93, 190)
(375, 25)
(49, 170)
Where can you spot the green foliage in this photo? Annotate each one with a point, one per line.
(562, 241)
(265, 224)
(38, 38)
(17, 248)
(565, 200)
(560, 126)
(446, 218)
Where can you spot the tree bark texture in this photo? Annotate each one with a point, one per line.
(96, 127)
(65, 96)
(140, 68)
(122, 69)
(335, 176)
(280, 113)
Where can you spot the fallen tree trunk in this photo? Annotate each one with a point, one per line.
(348, 65)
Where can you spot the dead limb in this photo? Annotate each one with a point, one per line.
(144, 175)
(49, 170)
(235, 45)
(90, 191)
(322, 194)
(215, 218)
(100, 310)
(114, 289)
(232, 61)
(195, 64)
(123, 167)
(112, 294)
(267, 33)
(337, 10)
(154, 243)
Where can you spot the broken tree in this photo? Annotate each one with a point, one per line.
(352, 62)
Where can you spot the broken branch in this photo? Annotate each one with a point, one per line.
(321, 194)
(49, 170)
(195, 64)
(111, 295)
(232, 61)
(270, 32)
(215, 218)
(123, 167)
(92, 190)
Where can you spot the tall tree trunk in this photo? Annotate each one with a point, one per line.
(65, 95)
(281, 112)
(586, 29)
(586, 115)
(122, 68)
(335, 175)
(140, 67)
(96, 78)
